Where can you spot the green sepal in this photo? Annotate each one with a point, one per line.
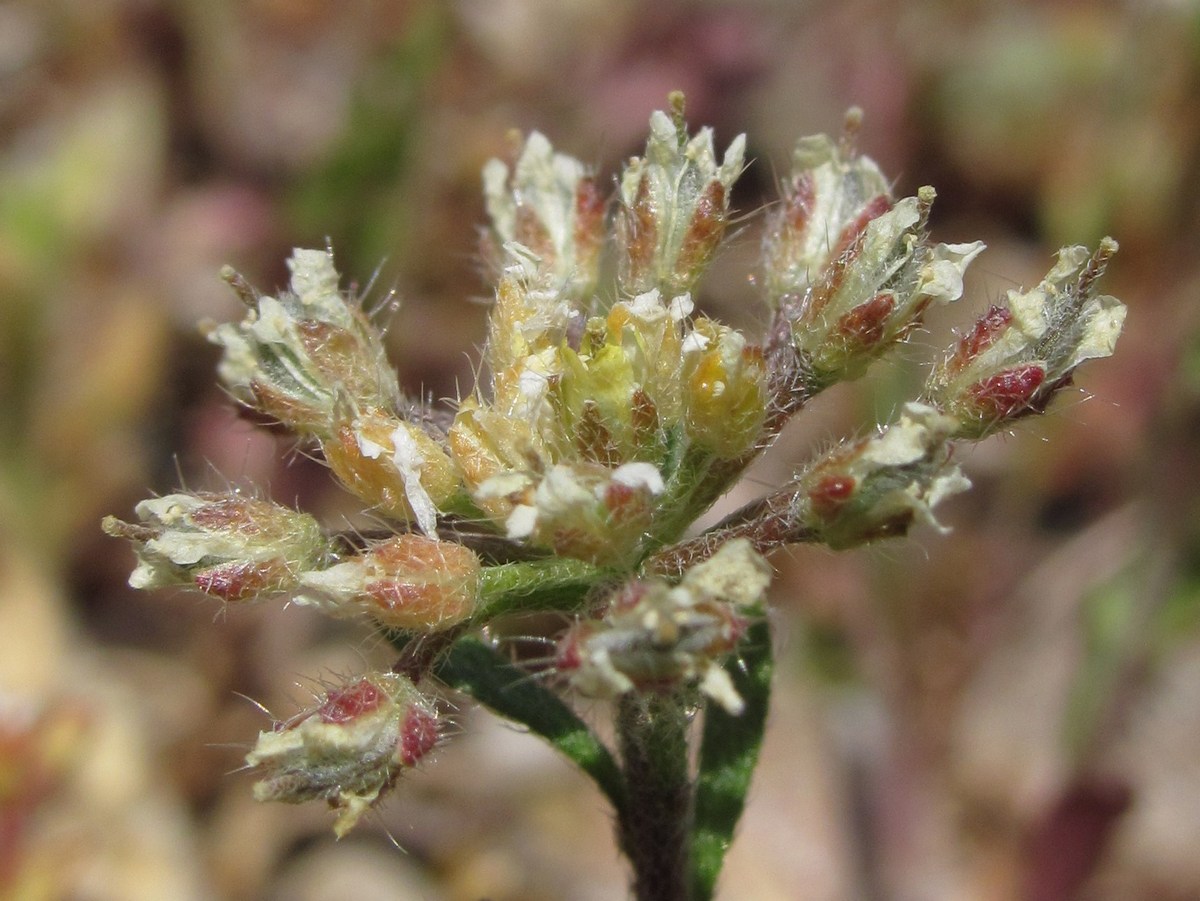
(728, 755)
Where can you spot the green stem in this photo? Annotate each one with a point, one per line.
(554, 583)
(655, 830)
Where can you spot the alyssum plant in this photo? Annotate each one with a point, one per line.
(610, 419)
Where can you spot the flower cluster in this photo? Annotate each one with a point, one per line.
(656, 635)
(608, 419)
(348, 749)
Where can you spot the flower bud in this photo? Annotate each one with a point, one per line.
(349, 749)
(550, 206)
(392, 465)
(581, 510)
(828, 199)
(1018, 355)
(876, 488)
(294, 356)
(621, 388)
(873, 293)
(674, 206)
(655, 637)
(228, 545)
(406, 582)
(725, 389)
(526, 320)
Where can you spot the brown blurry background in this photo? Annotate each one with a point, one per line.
(1012, 711)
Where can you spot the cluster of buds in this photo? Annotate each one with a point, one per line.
(877, 487)
(573, 446)
(848, 268)
(674, 206)
(658, 637)
(229, 545)
(1018, 355)
(609, 419)
(349, 749)
(313, 360)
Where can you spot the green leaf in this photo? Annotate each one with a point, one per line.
(728, 755)
(475, 669)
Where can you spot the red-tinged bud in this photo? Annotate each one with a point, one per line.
(828, 200)
(674, 207)
(876, 488)
(865, 326)
(228, 545)
(1018, 355)
(875, 288)
(407, 582)
(349, 749)
(848, 269)
(549, 208)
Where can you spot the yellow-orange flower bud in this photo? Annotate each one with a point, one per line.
(406, 582)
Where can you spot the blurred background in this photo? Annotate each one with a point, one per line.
(1009, 712)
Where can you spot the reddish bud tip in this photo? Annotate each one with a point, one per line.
(1007, 393)
(705, 231)
(864, 326)
(830, 494)
(349, 703)
(237, 581)
(418, 735)
(854, 229)
(799, 201)
(986, 330)
(589, 216)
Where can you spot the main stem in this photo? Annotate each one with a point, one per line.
(655, 830)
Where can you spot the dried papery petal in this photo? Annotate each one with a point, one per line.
(1018, 355)
(229, 545)
(393, 465)
(406, 582)
(349, 749)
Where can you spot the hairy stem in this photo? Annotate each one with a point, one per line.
(655, 830)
